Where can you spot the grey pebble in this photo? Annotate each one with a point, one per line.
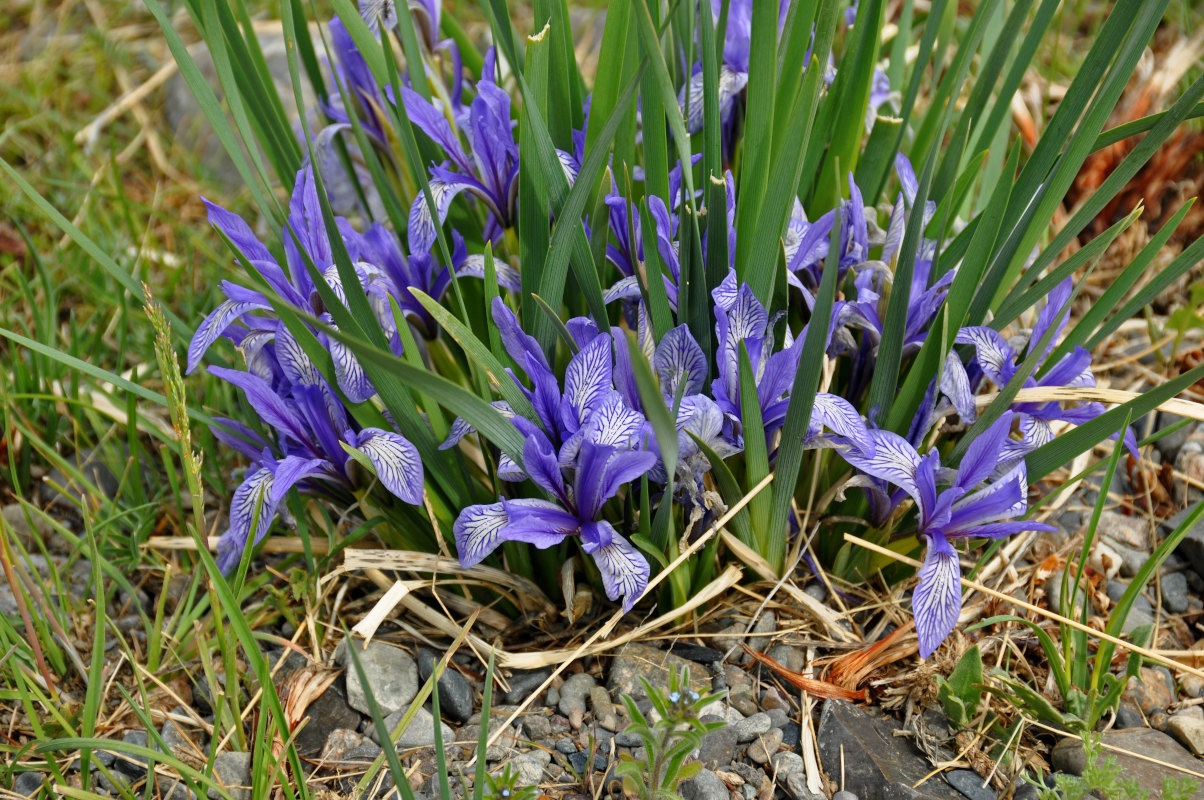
(1174, 592)
(537, 726)
(750, 728)
(419, 733)
(455, 694)
(566, 746)
(786, 763)
(232, 770)
(552, 696)
(764, 748)
(391, 673)
(28, 784)
(778, 718)
(523, 683)
(706, 785)
(625, 739)
(792, 735)
(844, 796)
(969, 783)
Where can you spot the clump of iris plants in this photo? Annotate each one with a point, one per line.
(556, 321)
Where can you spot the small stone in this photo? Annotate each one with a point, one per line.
(329, 713)
(129, 765)
(339, 742)
(817, 590)
(876, 763)
(1174, 592)
(1146, 772)
(529, 768)
(970, 784)
(763, 749)
(537, 726)
(419, 733)
(580, 761)
(523, 683)
(786, 763)
(28, 784)
(625, 739)
(1126, 531)
(844, 796)
(1151, 690)
(696, 653)
(792, 735)
(1188, 729)
(31, 528)
(455, 694)
(391, 673)
(706, 785)
(772, 699)
(635, 660)
(792, 658)
(778, 718)
(566, 746)
(1129, 716)
(750, 728)
(766, 624)
(1168, 446)
(604, 710)
(718, 747)
(233, 771)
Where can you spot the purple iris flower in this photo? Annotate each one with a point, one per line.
(996, 361)
(600, 472)
(589, 409)
(310, 429)
(384, 12)
(733, 72)
(742, 322)
(959, 511)
(488, 169)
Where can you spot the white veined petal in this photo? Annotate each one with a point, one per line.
(937, 600)
(397, 463)
(476, 531)
(624, 570)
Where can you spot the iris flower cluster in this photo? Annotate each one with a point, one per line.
(588, 444)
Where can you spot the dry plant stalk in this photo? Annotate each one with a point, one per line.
(819, 688)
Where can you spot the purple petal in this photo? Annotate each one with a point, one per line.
(937, 600)
(678, 362)
(624, 569)
(586, 382)
(422, 227)
(541, 464)
(582, 330)
(435, 125)
(254, 493)
(602, 470)
(507, 276)
(269, 405)
(983, 453)
(627, 288)
(349, 373)
(215, 325)
(234, 228)
(517, 343)
(477, 530)
(955, 384)
(995, 355)
(397, 463)
(538, 522)
(1004, 498)
(893, 459)
(613, 423)
(1054, 314)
